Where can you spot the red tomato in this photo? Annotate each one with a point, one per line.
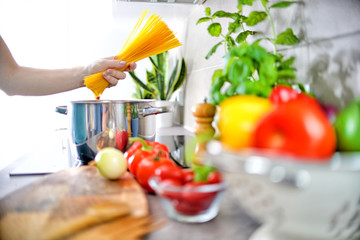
(166, 183)
(146, 169)
(214, 177)
(297, 128)
(188, 208)
(194, 202)
(282, 94)
(188, 175)
(169, 172)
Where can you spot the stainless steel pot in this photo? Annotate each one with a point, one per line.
(94, 124)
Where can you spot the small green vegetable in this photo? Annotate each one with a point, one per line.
(347, 127)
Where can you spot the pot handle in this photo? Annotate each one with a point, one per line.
(254, 164)
(154, 110)
(61, 110)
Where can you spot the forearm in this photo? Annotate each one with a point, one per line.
(19, 80)
(31, 81)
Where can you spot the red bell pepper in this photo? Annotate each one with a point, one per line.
(141, 149)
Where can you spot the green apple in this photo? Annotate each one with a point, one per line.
(347, 127)
(111, 163)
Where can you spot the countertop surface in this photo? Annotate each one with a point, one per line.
(232, 222)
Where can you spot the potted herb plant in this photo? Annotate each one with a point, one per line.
(161, 83)
(249, 68)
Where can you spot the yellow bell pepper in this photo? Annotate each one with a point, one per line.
(238, 117)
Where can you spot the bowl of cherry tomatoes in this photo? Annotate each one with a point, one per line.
(190, 195)
(293, 198)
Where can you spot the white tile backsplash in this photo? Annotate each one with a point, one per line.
(327, 57)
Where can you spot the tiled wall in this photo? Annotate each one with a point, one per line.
(327, 59)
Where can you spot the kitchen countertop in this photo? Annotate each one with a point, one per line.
(232, 221)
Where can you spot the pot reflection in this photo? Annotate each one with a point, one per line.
(94, 124)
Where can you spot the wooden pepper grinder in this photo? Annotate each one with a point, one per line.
(204, 115)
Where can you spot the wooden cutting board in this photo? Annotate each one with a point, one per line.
(68, 201)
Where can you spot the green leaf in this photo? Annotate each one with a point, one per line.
(235, 27)
(255, 17)
(201, 172)
(139, 83)
(287, 38)
(257, 52)
(203, 19)
(282, 4)
(230, 42)
(214, 29)
(287, 63)
(181, 77)
(171, 81)
(223, 14)
(246, 2)
(208, 11)
(239, 69)
(213, 50)
(179, 81)
(151, 79)
(138, 93)
(243, 35)
(287, 73)
(154, 62)
(267, 71)
(217, 83)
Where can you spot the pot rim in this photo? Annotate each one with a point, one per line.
(113, 101)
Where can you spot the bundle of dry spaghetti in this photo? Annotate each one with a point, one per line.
(145, 40)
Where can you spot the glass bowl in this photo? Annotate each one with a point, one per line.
(294, 198)
(195, 204)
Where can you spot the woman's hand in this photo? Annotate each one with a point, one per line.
(110, 66)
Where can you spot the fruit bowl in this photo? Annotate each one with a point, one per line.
(195, 204)
(297, 199)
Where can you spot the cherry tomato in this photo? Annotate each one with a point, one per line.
(166, 183)
(188, 208)
(297, 128)
(146, 169)
(193, 202)
(169, 172)
(188, 175)
(282, 94)
(214, 177)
